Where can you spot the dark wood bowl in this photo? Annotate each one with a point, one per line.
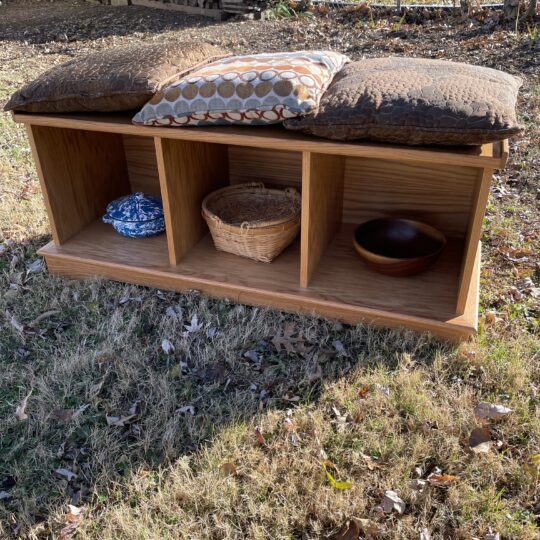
(398, 247)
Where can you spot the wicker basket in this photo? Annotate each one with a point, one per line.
(252, 221)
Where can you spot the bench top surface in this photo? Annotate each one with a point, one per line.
(490, 155)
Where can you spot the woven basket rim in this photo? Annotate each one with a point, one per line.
(267, 224)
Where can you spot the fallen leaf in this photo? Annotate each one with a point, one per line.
(228, 469)
(342, 418)
(63, 414)
(441, 480)
(284, 340)
(340, 349)
(491, 317)
(370, 529)
(418, 484)
(167, 346)
(429, 425)
(20, 411)
(252, 355)
(480, 440)
(363, 392)
(350, 530)
(491, 411)
(186, 409)
(36, 266)
(333, 482)
(194, 326)
(424, 534)
(44, 316)
(392, 503)
(75, 514)
(66, 473)
(260, 437)
(492, 536)
(120, 421)
(73, 520)
(383, 389)
(95, 389)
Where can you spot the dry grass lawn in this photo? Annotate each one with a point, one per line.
(153, 431)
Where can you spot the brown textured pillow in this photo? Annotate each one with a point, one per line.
(416, 101)
(111, 80)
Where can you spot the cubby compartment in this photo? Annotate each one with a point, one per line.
(85, 161)
(342, 192)
(81, 171)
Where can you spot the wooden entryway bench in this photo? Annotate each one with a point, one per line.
(85, 161)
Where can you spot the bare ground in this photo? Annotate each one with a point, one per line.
(386, 408)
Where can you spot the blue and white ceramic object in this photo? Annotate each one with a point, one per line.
(136, 215)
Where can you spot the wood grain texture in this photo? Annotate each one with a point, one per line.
(142, 164)
(473, 236)
(322, 208)
(188, 172)
(342, 287)
(440, 195)
(80, 172)
(273, 167)
(275, 137)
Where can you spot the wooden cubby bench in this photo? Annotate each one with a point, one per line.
(85, 161)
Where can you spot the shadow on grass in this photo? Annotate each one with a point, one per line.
(124, 378)
(45, 22)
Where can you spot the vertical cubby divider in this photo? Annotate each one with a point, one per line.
(322, 208)
(188, 171)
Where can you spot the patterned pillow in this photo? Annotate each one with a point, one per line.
(252, 89)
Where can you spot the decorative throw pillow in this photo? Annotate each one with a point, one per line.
(416, 101)
(252, 89)
(111, 80)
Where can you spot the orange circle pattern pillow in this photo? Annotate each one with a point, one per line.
(253, 89)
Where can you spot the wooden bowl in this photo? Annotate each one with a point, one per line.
(398, 247)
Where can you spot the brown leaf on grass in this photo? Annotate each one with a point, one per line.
(480, 440)
(350, 530)
(515, 254)
(441, 480)
(66, 415)
(63, 414)
(228, 469)
(259, 437)
(20, 411)
(73, 520)
(490, 411)
(284, 340)
(491, 317)
(363, 392)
